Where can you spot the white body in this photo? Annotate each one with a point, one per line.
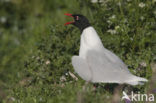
(97, 64)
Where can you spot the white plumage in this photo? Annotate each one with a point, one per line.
(98, 65)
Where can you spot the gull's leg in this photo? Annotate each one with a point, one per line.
(85, 86)
(116, 94)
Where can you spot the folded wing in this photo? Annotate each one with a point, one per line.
(81, 67)
(106, 69)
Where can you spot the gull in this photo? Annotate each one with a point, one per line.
(95, 63)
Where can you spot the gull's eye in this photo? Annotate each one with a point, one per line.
(77, 17)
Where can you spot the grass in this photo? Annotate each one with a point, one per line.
(36, 48)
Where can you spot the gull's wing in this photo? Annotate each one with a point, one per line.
(107, 67)
(102, 67)
(114, 59)
(81, 67)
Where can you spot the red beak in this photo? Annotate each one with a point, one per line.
(70, 15)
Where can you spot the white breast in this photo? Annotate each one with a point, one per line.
(89, 40)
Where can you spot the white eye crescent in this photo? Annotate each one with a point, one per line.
(77, 17)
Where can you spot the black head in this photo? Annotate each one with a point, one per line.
(80, 21)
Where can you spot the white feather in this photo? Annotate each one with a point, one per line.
(97, 64)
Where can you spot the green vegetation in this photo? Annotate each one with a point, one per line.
(36, 48)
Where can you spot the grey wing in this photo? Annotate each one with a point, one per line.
(106, 70)
(81, 67)
(115, 59)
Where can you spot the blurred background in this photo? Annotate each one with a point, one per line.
(36, 48)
